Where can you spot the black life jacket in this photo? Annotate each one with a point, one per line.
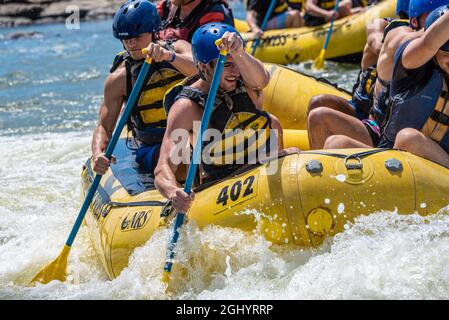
(382, 101)
(232, 111)
(363, 90)
(148, 119)
(425, 108)
(174, 28)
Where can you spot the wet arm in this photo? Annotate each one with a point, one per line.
(179, 118)
(375, 35)
(251, 18)
(184, 58)
(423, 49)
(114, 92)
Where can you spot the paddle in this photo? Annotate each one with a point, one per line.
(196, 158)
(57, 269)
(319, 62)
(264, 24)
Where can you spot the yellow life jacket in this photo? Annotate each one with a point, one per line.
(244, 129)
(148, 118)
(437, 125)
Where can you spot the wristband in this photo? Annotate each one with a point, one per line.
(173, 57)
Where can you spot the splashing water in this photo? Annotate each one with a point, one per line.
(381, 256)
(48, 108)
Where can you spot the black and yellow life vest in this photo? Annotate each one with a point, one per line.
(381, 101)
(425, 108)
(363, 91)
(244, 130)
(148, 118)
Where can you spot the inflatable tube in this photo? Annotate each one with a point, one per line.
(292, 46)
(289, 92)
(300, 199)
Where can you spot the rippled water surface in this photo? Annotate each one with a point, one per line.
(50, 90)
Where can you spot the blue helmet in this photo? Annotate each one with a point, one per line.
(434, 16)
(134, 18)
(203, 41)
(402, 8)
(419, 7)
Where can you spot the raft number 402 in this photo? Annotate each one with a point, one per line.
(235, 191)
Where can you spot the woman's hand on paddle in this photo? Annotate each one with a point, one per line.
(158, 53)
(101, 163)
(232, 43)
(182, 201)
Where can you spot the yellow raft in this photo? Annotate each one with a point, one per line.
(291, 46)
(289, 92)
(300, 199)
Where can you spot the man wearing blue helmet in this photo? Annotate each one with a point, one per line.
(136, 25)
(238, 107)
(419, 115)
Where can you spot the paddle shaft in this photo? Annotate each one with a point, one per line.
(264, 24)
(331, 27)
(110, 148)
(196, 157)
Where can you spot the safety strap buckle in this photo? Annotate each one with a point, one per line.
(440, 117)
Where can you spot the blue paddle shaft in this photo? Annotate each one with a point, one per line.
(331, 27)
(110, 148)
(264, 24)
(196, 157)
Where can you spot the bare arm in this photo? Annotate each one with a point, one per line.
(251, 18)
(114, 93)
(392, 42)
(184, 58)
(375, 35)
(423, 49)
(181, 118)
(253, 72)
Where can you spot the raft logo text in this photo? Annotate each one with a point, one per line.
(232, 309)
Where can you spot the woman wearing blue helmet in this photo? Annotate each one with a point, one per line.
(419, 116)
(136, 24)
(237, 111)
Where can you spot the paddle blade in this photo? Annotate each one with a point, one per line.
(319, 62)
(166, 277)
(55, 270)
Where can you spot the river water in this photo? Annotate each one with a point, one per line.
(50, 90)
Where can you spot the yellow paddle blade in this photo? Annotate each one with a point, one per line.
(166, 277)
(319, 62)
(56, 270)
